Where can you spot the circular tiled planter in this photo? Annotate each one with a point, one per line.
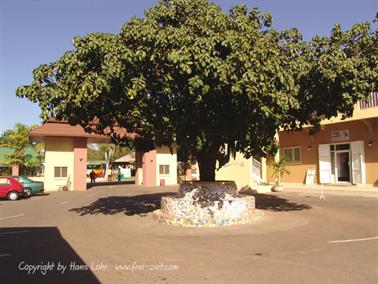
(207, 204)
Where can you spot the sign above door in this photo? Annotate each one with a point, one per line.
(340, 135)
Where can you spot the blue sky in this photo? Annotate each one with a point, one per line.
(33, 32)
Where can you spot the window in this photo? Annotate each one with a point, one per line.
(60, 172)
(164, 169)
(4, 181)
(292, 154)
(342, 147)
(332, 159)
(336, 148)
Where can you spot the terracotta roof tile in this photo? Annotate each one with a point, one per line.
(54, 128)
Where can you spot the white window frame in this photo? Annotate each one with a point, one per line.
(357, 160)
(60, 171)
(292, 147)
(164, 167)
(325, 169)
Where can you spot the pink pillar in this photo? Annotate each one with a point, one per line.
(80, 164)
(138, 168)
(188, 173)
(15, 170)
(149, 168)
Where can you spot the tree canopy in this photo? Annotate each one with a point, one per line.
(191, 73)
(21, 151)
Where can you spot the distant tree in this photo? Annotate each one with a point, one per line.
(17, 140)
(108, 153)
(97, 153)
(217, 83)
(94, 153)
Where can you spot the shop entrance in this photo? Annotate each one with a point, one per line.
(340, 163)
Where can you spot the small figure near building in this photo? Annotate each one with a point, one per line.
(119, 174)
(93, 176)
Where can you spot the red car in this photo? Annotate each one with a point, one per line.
(10, 188)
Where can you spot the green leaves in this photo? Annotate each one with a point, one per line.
(192, 73)
(17, 141)
(337, 72)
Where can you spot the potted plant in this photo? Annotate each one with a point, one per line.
(278, 170)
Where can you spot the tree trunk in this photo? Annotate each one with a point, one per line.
(207, 165)
(108, 155)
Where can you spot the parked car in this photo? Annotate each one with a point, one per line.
(11, 188)
(30, 186)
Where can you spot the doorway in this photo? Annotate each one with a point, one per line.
(340, 163)
(342, 166)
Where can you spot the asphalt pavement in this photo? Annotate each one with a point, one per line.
(107, 235)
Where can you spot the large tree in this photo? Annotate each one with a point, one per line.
(192, 73)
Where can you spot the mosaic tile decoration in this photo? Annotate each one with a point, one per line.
(185, 210)
(192, 222)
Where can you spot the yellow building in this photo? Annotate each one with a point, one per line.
(343, 152)
(66, 158)
(245, 172)
(65, 154)
(156, 167)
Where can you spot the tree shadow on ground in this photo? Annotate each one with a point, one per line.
(276, 203)
(128, 205)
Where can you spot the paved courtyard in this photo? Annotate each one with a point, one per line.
(107, 235)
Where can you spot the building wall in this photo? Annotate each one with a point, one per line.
(80, 164)
(149, 161)
(139, 167)
(59, 152)
(365, 130)
(165, 157)
(238, 170)
(358, 114)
